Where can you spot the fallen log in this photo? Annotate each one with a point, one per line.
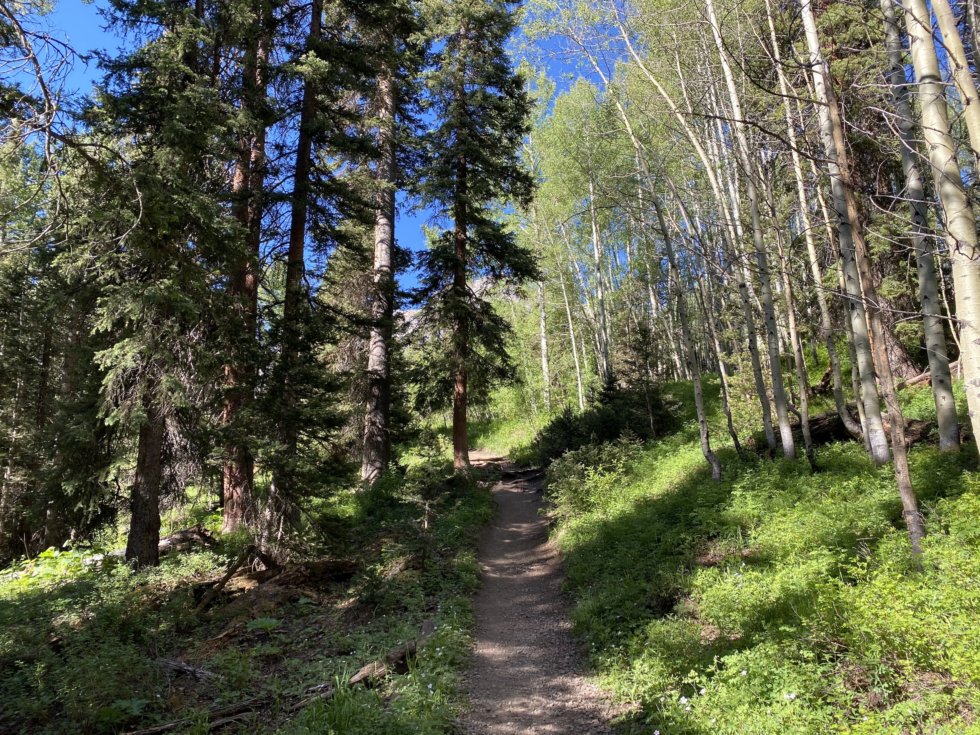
(395, 661)
(182, 668)
(185, 539)
(925, 377)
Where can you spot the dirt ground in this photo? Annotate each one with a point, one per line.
(527, 673)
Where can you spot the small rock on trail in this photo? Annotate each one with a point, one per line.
(526, 673)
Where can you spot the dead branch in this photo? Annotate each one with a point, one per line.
(212, 593)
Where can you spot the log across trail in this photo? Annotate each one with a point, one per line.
(526, 676)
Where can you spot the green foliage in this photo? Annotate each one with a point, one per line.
(777, 600)
(82, 636)
(642, 413)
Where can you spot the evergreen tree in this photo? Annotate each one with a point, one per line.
(402, 51)
(161, 243)
(482, 112)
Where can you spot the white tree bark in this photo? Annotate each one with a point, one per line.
(932, 321)
(806, 225)
(761, 256)
(875, 430)
(960, 221)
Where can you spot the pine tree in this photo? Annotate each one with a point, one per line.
(483, 114)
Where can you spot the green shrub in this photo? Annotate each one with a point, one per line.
(643, 414)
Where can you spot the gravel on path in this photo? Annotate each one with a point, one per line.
(526, 676)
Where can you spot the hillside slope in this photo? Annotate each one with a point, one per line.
(778, 600)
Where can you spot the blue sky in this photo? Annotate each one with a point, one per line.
(80, 24)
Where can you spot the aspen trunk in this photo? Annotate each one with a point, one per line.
(708, 305)
(689, 356)
(960, 66)
(545, 372)
(761, 256)
(859, 260)
(744, 296)
(602, 327)
(846, 225)
(580, 388)
(794, 335)
(961, 234)
(826, 326)
(932, 321)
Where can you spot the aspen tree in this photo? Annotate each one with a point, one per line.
(761, 256)
(857, 270)
(932, 320)
(846, 233)
(958, 215)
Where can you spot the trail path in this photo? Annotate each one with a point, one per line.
(526, 675)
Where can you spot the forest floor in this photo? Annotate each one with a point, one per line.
(526, 673)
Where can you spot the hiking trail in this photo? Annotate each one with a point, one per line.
(527, 671)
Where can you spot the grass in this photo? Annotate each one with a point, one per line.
(513, 436)
(776, 601)
(81, 644)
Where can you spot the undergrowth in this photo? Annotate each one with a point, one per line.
(776, 601)
(83, 645)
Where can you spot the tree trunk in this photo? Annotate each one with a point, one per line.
(689, 356)
(846, 228)
(794, 335)
(461, 452)
(961, 234)
(960, 67)
(826, 326)
(761, 256)
(545, 372)
(281, 511)
(708, 306)
(860, 261)
(377, 415)
(144, 526)
(574, 346)
(247, 186)
(602, 331)
(744, 295)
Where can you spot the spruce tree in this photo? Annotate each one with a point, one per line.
(474, 169)
(160, 242)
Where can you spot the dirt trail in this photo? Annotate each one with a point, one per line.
(526, 674)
